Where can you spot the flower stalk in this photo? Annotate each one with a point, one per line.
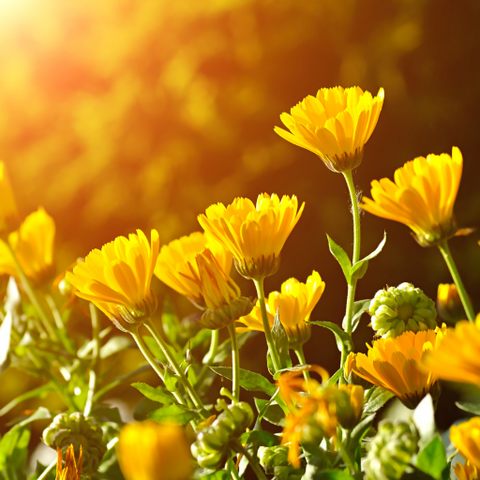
(93, 374)
(235, 362)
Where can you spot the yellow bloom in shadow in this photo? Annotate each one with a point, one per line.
(467, 471)
(457, 356)
(422, 196)
(117, 279)
(335, 125)
(295, 303)
(255, 234)
(152, 451)
(176, 263)
(394, 365)
(33, 247)
(70, 471)
(466, 438)
(9, 216)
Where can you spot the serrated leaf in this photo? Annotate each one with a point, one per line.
(171, 381)
(152, 393)
(280, 340)
(225, 349)
(341, 337)
(359, 308)
(251, 381)
(273, 413)
(115, 344)
(377, 400)
(432, 459)
(175, 413)
(364, 261)
(342, 258)
(469, 407)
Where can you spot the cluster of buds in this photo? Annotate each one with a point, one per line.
(400, 309)
(81, 432)
(274, 460)
(215, 442)
(390, 451)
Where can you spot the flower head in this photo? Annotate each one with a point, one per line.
(117, 279)
(176, 261)
(9, 216)
(466, 471)
(33, 247)
(422, 196)
(394, 365)
(335, 125)
(295, 303)
(70, 471)
(153, 451)
(466, 438)
(255, 234)
(457, 357)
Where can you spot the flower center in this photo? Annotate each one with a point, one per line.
(405, 312)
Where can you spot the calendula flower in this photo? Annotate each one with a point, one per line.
(176, 261)
(422, 196)
(9, 216)
(394, 365)
(295, 303)
(457, 356)
(335, 125)
(221, 294)
(32, 244)
(153, 451)
(71, 471)
(255, 234)
(466, 472)
(449, 305)
(466, 438)
(117, 279)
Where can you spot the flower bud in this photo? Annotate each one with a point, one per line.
(271, 457)
(77, 430)
(390, 451)
(350, 412)
(449, 305)
(350, 375)
(403, 308)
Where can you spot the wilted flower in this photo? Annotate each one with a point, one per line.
(9, 217)
(390, 451)
(335, 125)
(422, 196)
(449, 304)
(70, 471)
(177, 260)
(255, 234)
(394, 365)
(466, 438)
(33, 247)
(152, 451)
(117, 279)
(464, 364)
(466, 471)
(295, 303)
(403, 308)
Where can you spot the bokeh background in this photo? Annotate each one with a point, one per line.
(125, 114)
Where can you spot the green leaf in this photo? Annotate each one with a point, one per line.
(342, 258)
(469, 407)
(171, 381)
(433, 459)
(251, 381)
(359, 308)
(175, 413)
(259, 438)
(424, 419)
(377, 400)
(219, 475)
(360, 268)
(156, 394)
(273, 413)
(154, 348)
(340, 336)
(14, 448)
(361, 430)
(225, 349)
(334, 378)
(115, 344)
(280, 340)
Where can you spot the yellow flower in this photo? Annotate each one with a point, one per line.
(117, 279)
(295, 303)
(466, 472)
(466, 438)
(33, 247)
(422, 196)
(176, 261)
(255, 234)
(152, 451)
(457, 357)
(335, 125)
(9, 217)
(394, 365)
(71, 471)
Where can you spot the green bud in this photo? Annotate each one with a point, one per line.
(78, 430)
(400, 309)
(390, 451)
(271, 457)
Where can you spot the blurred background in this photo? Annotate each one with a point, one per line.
(126, 114)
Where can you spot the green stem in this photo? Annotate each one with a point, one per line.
(235, 362)
(208, 359)
(47, 470)
(266, 325)
(251, 460)
(301, 358)
(233, 469)
(92, 383)
(347, 459)
(467, 305)
(177, 369)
